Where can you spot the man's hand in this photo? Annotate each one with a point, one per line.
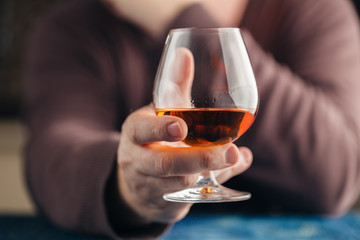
(147, 169)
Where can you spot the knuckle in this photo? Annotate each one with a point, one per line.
(157, 132)
(186, 181)
(129, 128)
(123, 157)
(130, 119)
(135, 186)
(206, 160)
(123, 163)
(164, 165)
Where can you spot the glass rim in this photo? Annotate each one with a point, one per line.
(205, 29)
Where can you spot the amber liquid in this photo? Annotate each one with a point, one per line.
(209, 127)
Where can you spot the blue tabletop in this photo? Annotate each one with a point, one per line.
(210, 227)
(266, 227)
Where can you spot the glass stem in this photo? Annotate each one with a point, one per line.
(207, 179)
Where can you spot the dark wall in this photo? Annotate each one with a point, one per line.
(16, 19)
(357, 5)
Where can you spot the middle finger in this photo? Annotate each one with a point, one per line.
(164, 161)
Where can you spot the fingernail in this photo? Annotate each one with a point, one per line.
(245, 155)
(174, 130)
(231, 156)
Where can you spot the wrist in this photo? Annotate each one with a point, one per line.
(117, 206)
(124, 221)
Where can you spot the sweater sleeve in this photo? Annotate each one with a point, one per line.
(72, 112)
(306, 136)
(72, 115)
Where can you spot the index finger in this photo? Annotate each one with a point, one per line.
(143, 126)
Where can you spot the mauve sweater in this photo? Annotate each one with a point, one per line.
(86, 70)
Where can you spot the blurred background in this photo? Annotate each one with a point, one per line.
(17, 17)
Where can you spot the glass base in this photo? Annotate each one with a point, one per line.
(207, 194)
